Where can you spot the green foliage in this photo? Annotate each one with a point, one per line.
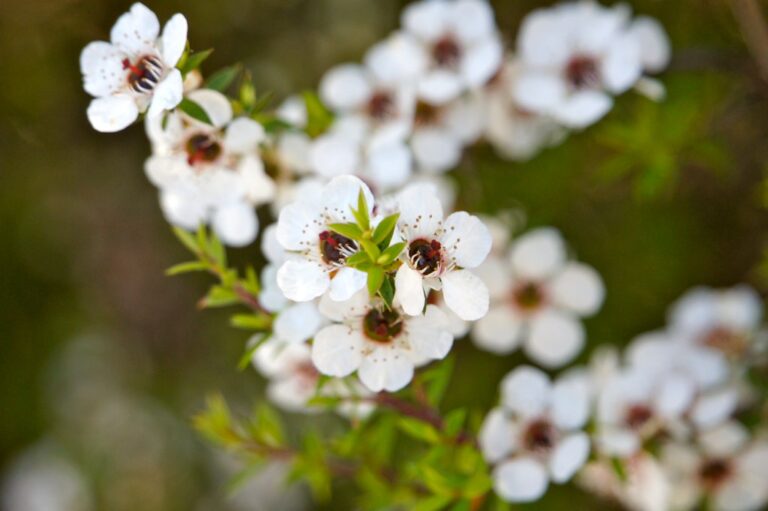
(223, 78)
(192, 60)
(319, 118)
(194, 110)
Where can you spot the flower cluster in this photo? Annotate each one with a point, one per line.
(371, 273)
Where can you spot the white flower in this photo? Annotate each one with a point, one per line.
(576, 55)
(535, 435)
(134, 72)
(318, 257)
(382, 345)
(537, 298)
(726, 467)
(437, 255)
(643, 485)
(726, 320)
(210, 173)
(515, 133)
(446, 47)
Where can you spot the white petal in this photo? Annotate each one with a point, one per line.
(555, 339)
(583, 108)
(482, 62)
(694, 312)
(499, 331)
(112, 113)
(353, 309)
(674, 396)
(182, 210)
(725, 440)
(436, 150)
(399, 59)
(102, 68)
(409, 291)
(333, 154)
(236, 225)
(298, 322)
(336, 350)
(465, 294)
(215, 104)
(342, 193)
(294, 151)
(428, 334)
(520, 480)
(259, 187)
(654, 43)
(421, 213)
(538, 254)
(578, 288)
(389, 166)
(543, 39)
(275, 357)
(345, 283)
(466, 239)
(568, 457)
(496, 436)
(740, 308)
(271, 297)
(386, 368)
(174, 39)
(539, 92)
(439, 86)
(427, 20)
(618, 442)
(526, 391)
(243, 135)
(168, 94)
(136, 31)
(299, 227)
(345, 87)
(472, 19)
(495, 272)
(714, 408)
(571, 401)
(302, 280)
(622, 66)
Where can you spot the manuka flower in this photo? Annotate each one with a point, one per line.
(318, 254)
(535, 435)
(210, 172)
(135, 72)
(437, 254)
(382, 344)
(537, 300)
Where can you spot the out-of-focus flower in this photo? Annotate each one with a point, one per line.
(135, 71)
(575, 56)
(725, 320)
(210, 172)
(535, 435)
(446, 47)
(317, 260)
(515, 133)
(537, 298)
(383, 345)
(437, 255)
(726, 467)
(642, 485)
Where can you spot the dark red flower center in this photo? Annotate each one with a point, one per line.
(638, 416)
(426, 114)
(202, 148)
(144, 75)
(425, 255)
(382, 325)
(528, 296)
(446, 52)
(381, 106)
(713, 472)
(540, 435)
(582, 72)
(334, 247)
(725, 340)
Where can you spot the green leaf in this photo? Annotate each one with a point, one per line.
(194, 110)
(390, 253)
(218, 296)
(362, 210)
(463, 505)
(419, 430)
(371, 249)
(251, 282)
(193, 61)
(223, 78)
(454, 421)
(433, 503)
(387, 291)
(251, 321)
(348, 230)
(319, 118)
(186, 239)
(216, 250)
(375, 279)
(190, 266)
(268, 427)
(253, 344)
(438, 377)
(357, 259)
(385, 229)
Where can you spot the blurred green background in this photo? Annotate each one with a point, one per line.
(103, 360)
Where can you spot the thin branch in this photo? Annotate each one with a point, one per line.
(749, 16)
(421, 412)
